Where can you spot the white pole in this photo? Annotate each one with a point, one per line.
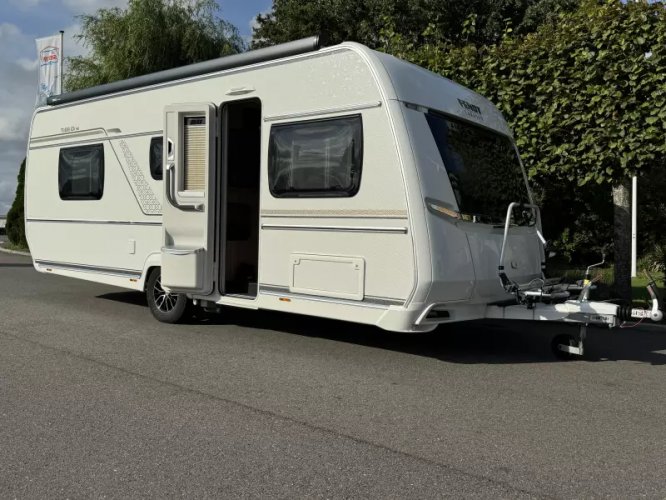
(61, 60)
(634, 220)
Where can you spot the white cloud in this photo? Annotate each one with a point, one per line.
(28, 64)
(7, 191)
(13, 126)
(18, 84)
(25, 4)
(253, 24)
(8, 30)
(90, 6)
(72, 47)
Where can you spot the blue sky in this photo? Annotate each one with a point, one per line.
(21, 21)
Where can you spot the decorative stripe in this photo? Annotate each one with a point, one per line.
(88, 221)
(67, 135)
(150, 205)
(341, 229)
(324, 111)
(368, 301)
(369, 213)
(87, 141)
(84, 268)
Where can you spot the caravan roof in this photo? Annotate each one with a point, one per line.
(399, 80)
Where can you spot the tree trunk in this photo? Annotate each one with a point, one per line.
(622, 238)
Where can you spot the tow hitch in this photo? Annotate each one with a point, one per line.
(551, 300)
(579, 310)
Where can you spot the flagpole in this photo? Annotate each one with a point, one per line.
(634, 224)
(62, 59)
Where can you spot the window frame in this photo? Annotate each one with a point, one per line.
(319, 193)
(90, 197)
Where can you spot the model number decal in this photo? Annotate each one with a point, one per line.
(73, 128)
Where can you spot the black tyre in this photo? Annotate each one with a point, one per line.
(166, 307)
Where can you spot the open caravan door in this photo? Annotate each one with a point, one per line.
(190, 132)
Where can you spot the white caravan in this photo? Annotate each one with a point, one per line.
(337, 182)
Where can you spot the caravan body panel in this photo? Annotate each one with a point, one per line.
(464, 254)
(377, 256)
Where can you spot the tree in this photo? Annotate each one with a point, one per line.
(15, 217)
(363, 20)
(585, 95)
(149, 36)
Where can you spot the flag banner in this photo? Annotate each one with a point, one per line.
(49, 52)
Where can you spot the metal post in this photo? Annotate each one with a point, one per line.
(634, 220)
(61, 62)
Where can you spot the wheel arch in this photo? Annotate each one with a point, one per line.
(154, 260)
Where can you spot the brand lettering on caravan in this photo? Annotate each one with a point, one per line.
(471, 110)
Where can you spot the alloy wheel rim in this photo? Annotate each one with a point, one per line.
(164, 301)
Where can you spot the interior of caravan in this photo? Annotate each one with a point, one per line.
(241, 146)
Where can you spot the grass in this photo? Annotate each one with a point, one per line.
(606, 276)
(638, 291)
(11, 246)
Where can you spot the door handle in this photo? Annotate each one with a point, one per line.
(170, 185)
(170, 192)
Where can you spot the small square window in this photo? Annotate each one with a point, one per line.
(81, 172)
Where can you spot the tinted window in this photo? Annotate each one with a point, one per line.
(482, 166)
(156, 158)
(316, 158)
(81, 172)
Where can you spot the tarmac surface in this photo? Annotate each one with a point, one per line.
(97, 399)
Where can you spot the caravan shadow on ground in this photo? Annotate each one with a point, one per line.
(483, 341)
(134, 298)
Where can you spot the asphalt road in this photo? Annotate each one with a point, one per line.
(97, 399)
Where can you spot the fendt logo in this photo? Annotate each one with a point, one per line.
(471, 110)
(469, 106)
(48, 55)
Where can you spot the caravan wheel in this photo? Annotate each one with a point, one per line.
(166, 307)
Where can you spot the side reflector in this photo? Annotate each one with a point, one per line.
(284, 299)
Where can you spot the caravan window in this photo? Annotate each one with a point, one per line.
(81, 172)
(482, 166)
(156, 158)
(316, 158)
